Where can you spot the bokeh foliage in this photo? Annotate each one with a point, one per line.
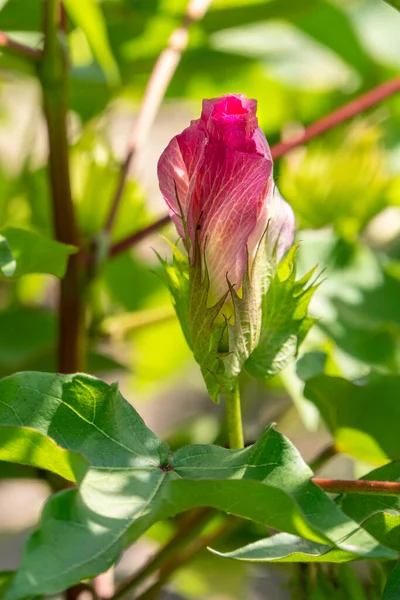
(300, 60)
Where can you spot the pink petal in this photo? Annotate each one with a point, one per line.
(233, 192)
(177, 169)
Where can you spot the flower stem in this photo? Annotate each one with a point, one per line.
(234, 418)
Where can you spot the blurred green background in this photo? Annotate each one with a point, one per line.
(300, 59)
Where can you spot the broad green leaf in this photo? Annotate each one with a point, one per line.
(18, 15)
(84, 415)
(28, 447)
(323, 21)
(35, 254)
(395, 4)
(91, 21)
(285, 320)
(284, 547)
(133, 482)
(5, 581)
(392, 588)
(363, 418)
(235, 16)
(7, 260)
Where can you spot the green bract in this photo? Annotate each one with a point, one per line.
(259, 327)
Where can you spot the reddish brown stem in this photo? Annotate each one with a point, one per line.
(359, 486)
(135, 238)
(157, 85)
(344, 113)
(335, 118)
(53, 72)
(26, 51)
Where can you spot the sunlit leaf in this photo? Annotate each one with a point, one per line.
(362, 417)
(7, 260)
(92, 22)
(35, 254)
(132, 481)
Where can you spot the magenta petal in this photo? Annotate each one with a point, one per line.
(177, 169)
(281, 225)
(230, 213)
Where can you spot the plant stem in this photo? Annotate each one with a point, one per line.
(26, 51)
(138, 236)
(358, 486)
(234, 418)
(344, 113)
(157, 85)
(323, 457)
(53, 73)
(335, 118)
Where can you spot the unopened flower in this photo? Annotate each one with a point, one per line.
(216, 178)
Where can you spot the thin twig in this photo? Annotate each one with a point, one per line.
(312, 131)
(184, 557)
(157, 85)
(359, 486)
(137, 237)
(26, 51)
(193, 524)
(344, 113)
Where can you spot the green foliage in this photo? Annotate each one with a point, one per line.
(301, 60)
(395, 4)
(357, 414)
(132, 481)
(391, 591)
(285, 320)
(7, 261)
(92, 23)
(34, 254)
(324, 183)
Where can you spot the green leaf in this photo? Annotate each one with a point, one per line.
(132, 481)
(91, 21)
(31, 448)
(82, 414)
(363, 418)
(392, 587)
(285, 320)
(7, 260)
(284, 547)
(396, 5)
(5, 581)
(35, 254)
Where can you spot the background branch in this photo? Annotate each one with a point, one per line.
(359, 486)
(314, 130)
(53, 73)
(26, 51)
(157, 85)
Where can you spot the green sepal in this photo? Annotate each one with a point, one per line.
(285, 320)
(260, 326)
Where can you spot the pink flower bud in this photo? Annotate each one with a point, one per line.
(220, 167)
